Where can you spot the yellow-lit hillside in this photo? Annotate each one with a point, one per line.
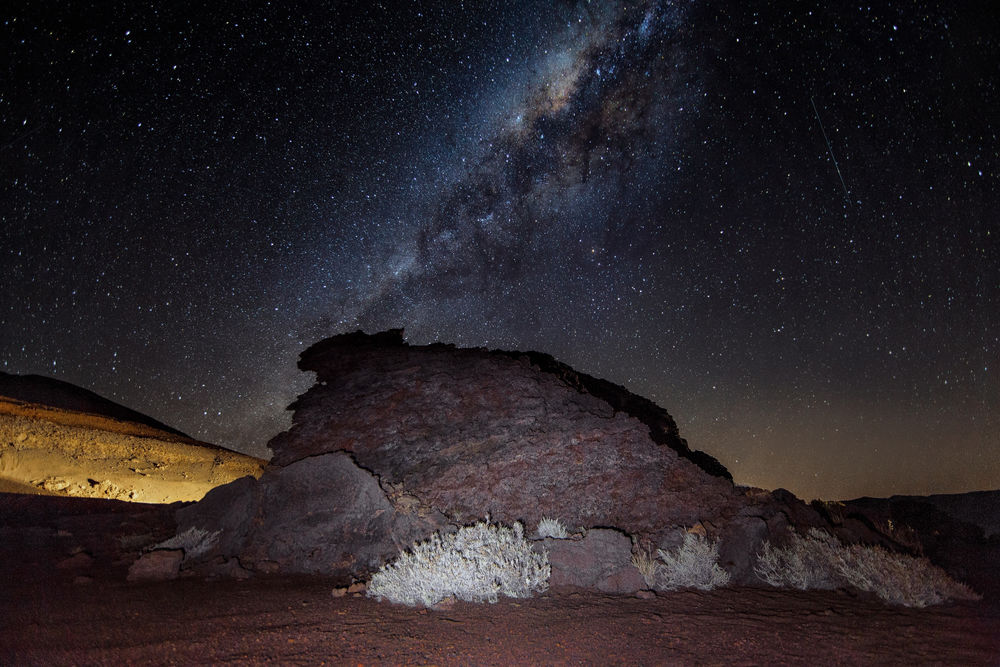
(62, 452)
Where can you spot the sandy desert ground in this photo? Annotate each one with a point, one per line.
(291, 621)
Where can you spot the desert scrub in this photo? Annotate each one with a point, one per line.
(819, 560)
(807, 562)
(551, 528)
(694, 564)
(478, 563)
(646, 565)
(194, 541)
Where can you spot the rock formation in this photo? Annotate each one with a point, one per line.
(470, 432)
(395, 441)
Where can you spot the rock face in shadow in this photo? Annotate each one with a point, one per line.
(951, 530)
(45, 540)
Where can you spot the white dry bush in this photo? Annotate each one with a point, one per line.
(899, 578)
(819, 560)
(551, 528)
(694, 564)
(478, 563)
(805, 563)
(194, 542)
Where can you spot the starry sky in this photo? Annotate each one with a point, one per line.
(775, 219)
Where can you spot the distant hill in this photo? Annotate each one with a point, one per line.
(979, 508)
(54, 393)
(60, 439)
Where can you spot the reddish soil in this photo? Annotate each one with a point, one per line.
(298, 621)
(64, 600)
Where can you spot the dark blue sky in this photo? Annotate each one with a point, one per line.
(192, 194)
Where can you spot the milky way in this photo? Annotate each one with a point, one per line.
(591, 124)
(776, 221)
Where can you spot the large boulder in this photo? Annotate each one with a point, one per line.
(322, 515)
(602, 560)
(396, 441)
(517, 436)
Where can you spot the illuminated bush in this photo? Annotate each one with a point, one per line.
(694, 564)
(820, 561)
(478, 563)
(194, 541)
(552, 528)
(807, 562)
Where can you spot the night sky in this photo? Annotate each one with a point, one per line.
(776, 220)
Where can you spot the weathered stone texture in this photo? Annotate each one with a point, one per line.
(601, 561)
(471, 432)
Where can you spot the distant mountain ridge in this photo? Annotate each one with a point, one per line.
(979, 508)
(54, 393)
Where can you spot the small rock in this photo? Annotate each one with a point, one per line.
(339, 592)
(159, 565)
(268, 566)
(645, 594)
(231, 569)
(357, 587)
(602, 561)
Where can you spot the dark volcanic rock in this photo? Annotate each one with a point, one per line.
(600, 561)
(327, 516)
(158, 565)
(227, 513)
(516, 436)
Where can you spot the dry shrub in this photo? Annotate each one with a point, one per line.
(694, 564)
(551, 528)
(805, 563)
(478, 563)
(819, 560)
(646, 565)
(194, 541)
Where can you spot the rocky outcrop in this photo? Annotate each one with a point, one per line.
(321, 515)
(394, 441)
(470, 432)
